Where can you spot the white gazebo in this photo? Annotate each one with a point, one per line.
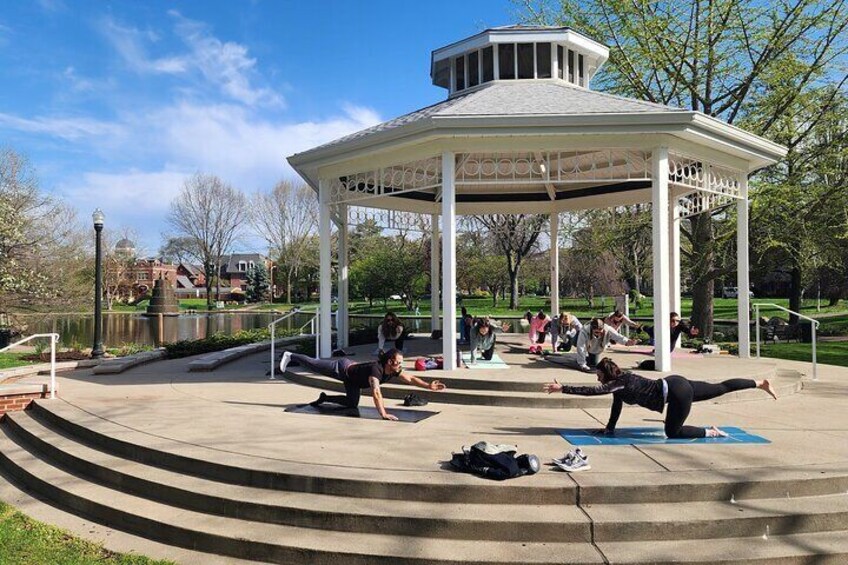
(522, 132)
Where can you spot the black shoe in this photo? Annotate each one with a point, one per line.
(322, 398)
(413, 399)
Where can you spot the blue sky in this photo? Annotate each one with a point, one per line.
(116, 103)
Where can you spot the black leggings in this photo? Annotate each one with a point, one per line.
(682, 393)
(337, 369)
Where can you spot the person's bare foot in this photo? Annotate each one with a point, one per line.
(713, 431)
(766, 386)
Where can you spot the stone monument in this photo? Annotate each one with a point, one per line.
(163, 299)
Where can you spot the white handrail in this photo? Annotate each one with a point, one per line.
(54, 339)
(312, 323)
(271, 327)
(814, 324)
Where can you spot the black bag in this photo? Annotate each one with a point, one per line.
(436, 334)
(413, 399)
(648, 365)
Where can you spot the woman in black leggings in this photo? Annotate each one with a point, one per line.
(357, 376)
(676, 391)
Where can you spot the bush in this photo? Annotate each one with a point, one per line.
(219, 342)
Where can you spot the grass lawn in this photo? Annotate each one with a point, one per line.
(11, 359)
(724, 308)
(23, 541)
(185, 304)
(830, 353)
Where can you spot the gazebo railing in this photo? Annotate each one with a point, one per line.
(813, 323)
(313, 330)
(54, 339)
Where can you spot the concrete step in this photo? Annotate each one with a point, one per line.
(825, 548)
(503, 398)
(262, 541)
(497, 522)
(345, 481)
(716, 520)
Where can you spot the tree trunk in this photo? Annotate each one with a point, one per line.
(513, 289)
(703, 279)
(795, 291)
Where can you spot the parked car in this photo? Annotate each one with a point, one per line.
(733, 292)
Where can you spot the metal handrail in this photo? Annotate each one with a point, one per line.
(54, 339)
(814, 324)
(272, 325)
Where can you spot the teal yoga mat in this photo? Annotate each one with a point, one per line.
(654, 436)
(495, 363)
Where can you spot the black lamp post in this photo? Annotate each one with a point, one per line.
(97, 351)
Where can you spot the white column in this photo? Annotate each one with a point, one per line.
(554, 264)
(342, 321)
(662, 290)
(449, 254)
(674, 258)
(742, 280)
(324, 227)
(435, 275)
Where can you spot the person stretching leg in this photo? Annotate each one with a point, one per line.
(357, 376)
(676, 391)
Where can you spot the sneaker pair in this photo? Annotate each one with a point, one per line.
(573, 461)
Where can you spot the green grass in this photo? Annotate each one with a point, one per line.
(185, 304)
(830, 353)
(9, 360)
(24, 541)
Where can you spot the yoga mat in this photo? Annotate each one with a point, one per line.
(647, 350)
(653, 436)
(365, 412)
(495, 363)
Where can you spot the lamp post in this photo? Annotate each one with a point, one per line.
(97, 350)
(272, 285)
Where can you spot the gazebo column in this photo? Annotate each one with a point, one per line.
(434, 273)
(449, 263)
(742, 280)
(662, 275)
(554, 264)
(674, 258)
(342, 313)
(325, 348)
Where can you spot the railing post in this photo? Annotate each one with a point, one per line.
(273, 357)
(53, 339)
(757, 325)
(315, 329)
(813, 328)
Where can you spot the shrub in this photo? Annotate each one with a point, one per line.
(219, 342)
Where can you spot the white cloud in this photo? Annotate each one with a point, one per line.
(68, 128)
(223, 63)
(130, 44)
(52, 6)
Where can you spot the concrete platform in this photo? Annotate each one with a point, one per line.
(196, 460)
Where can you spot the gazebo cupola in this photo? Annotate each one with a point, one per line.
(517, 53)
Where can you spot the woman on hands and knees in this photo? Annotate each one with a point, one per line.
(357, 376)
(676, 391)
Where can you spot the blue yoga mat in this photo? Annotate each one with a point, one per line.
(495, 363)
(653, 436)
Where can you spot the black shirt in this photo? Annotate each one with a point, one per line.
(361, 373)
(629, 388)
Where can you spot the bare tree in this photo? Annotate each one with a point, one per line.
(210, 212)
(285, 218)
(516, 236)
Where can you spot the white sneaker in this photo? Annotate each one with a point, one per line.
(570, 457)
(577, 464)
(284, 362)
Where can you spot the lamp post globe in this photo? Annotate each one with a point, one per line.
(97, 349)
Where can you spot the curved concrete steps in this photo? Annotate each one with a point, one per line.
(111, 476)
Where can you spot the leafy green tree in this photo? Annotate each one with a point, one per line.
(744, 61)
(258, 284)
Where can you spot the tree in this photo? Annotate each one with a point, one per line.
(42, 246)
(516, 236)
(118, 266)
(178, 250)
(285, 218)
(733, 59)
(257, 283)
(209, 212)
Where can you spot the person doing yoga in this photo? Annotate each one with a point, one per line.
(357, 376)
(676, 391)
